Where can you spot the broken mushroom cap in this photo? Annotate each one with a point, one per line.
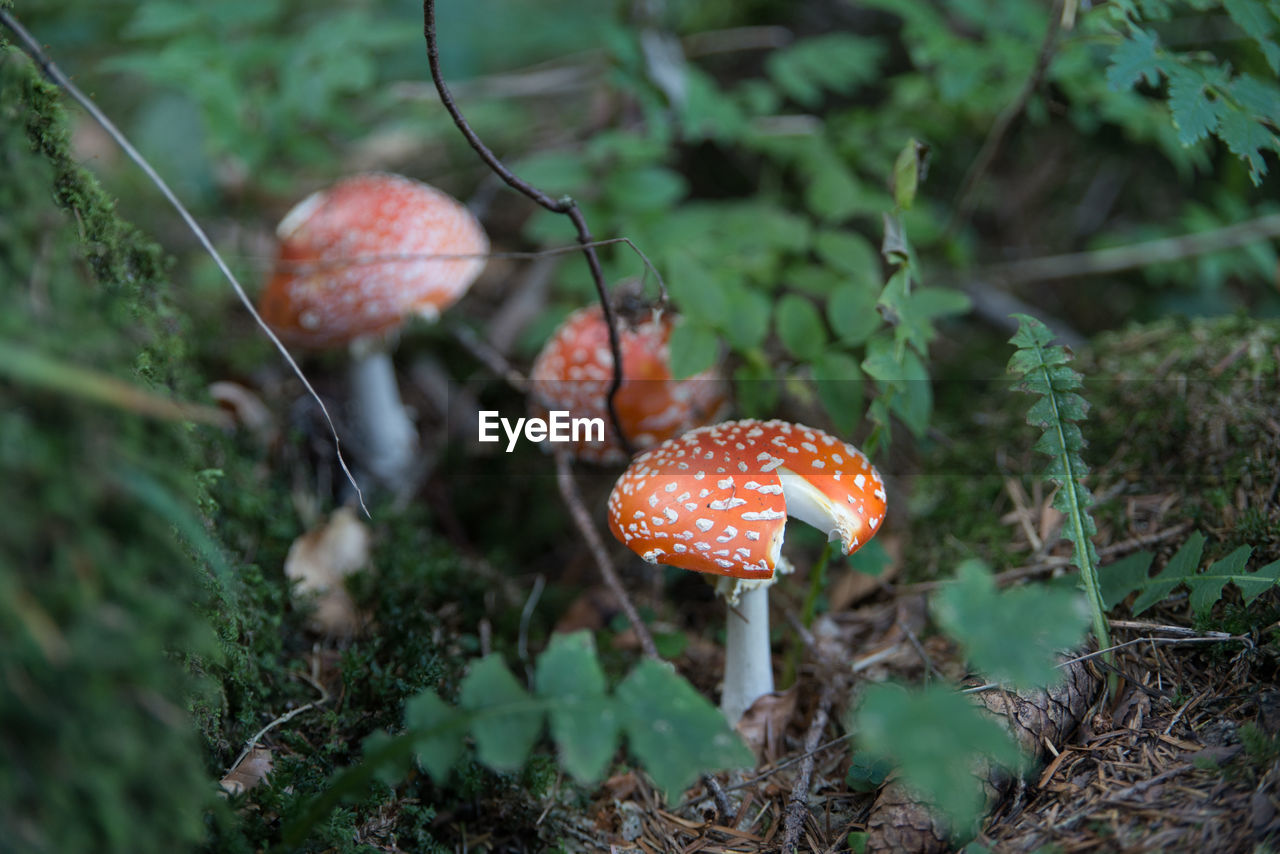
(716, 499)
(358, 258)
(575, 368)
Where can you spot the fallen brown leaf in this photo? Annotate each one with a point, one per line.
(249, 772)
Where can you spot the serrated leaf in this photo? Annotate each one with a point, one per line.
(838, 62)
(1205, 588)
(1010, 636)
(1124, 576)
(1176, 571)
(672, 729)
(439, 751)
(1260, 98)
(1195, 114)
(1255, 584)
(692, 348)
(1136, 58)
(1247, 138)
(1251, 16)
(584, 721)
(505, 721)
(936, 737)
(1045, 371)
(800, 327)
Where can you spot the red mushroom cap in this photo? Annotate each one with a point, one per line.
(717, 498)
(575, 368)
(358, 258)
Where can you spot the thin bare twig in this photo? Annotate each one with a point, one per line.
(1208, 637)
(1061, 561)
(61, 80)
(284, 718)
(781, 766)
(565, 206)
(569, 491)
(995, 138)
(1137, 254)
(799, 802)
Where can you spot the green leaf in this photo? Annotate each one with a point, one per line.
(1205, 587)
(1247, 138)
(695, 289)
(867, 773)
(651, 188)
(1136, 57)
(693, 348)
(1124, 576)
(839, 62)
(439, 751)
(1179, 568)
(756, 389)
(800, 327)
(850, 253)
(833, 192)
(1195, 115)
(839, 382)
(907, 169)
(510, 721)
(1045, 371)
(584, 722)
(1254, 585)
(852, 312)
(1260, 98)
(1251, 16)
(905, 388)
(935, 736)
(555, 172)
(872, 559)
(1011, 636)
(746, 323)
(673, 730)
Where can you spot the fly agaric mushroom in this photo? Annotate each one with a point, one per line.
(575, 368)
(716, 500)
(354, 262)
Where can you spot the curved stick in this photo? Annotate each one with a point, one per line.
(565, 205)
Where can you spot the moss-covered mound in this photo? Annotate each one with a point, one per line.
(97, 752)
(1183, 429)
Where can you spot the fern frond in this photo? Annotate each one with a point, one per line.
(1045, 371)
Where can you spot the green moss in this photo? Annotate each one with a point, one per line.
(97, 751)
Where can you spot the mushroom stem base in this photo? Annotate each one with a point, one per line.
(748, 662)
(387, 435)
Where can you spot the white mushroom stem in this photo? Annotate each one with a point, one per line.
(385, 431)
(748, 661)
